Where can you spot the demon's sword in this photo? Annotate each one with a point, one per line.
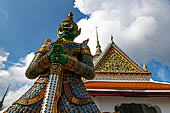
(53, 89)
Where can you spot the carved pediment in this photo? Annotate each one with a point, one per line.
(115, 60)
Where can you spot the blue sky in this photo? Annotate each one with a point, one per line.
(29, 22)
(24, 26)
(140, 28)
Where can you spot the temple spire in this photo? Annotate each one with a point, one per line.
(2, 100)
(98, 47)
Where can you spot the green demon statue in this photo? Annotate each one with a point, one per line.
(69, 93)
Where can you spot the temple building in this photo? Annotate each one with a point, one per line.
(123, 86)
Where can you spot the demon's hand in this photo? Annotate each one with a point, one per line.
(57, 54)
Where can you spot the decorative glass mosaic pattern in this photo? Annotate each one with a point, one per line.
(114, 62)
(79, 91)
(17, 108)
(69, 107)
(33, 91)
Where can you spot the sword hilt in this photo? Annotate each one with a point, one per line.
(55, 68)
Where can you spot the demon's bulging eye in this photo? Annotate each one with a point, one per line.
(71, 25)
(60, 31)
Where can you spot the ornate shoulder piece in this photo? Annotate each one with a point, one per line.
(84, 48)
(48, 41)
(85, 42)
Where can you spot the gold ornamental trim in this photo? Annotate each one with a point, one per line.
(74, 99)
(33, 100)
(127, 60)
(116, 61)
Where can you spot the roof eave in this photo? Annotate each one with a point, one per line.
(129, 94)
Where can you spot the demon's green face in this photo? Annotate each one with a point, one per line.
(67, 30)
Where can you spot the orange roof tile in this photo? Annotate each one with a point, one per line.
(126, 85)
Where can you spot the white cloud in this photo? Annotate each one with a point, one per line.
(12, 96)
(3, 57)
(17, 71)
(161, 74)
(14, 74)
(140, 28)
(4, 73)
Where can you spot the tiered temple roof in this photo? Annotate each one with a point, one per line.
(118, 75)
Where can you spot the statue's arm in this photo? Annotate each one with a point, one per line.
(39, 64)
(85, 66)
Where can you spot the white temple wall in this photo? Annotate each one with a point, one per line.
(107, 103)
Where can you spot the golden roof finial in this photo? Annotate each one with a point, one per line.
(112, 39)
(145, 67)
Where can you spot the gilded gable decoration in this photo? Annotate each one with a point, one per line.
(114, 64)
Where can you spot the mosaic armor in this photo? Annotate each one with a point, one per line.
(74, 97)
